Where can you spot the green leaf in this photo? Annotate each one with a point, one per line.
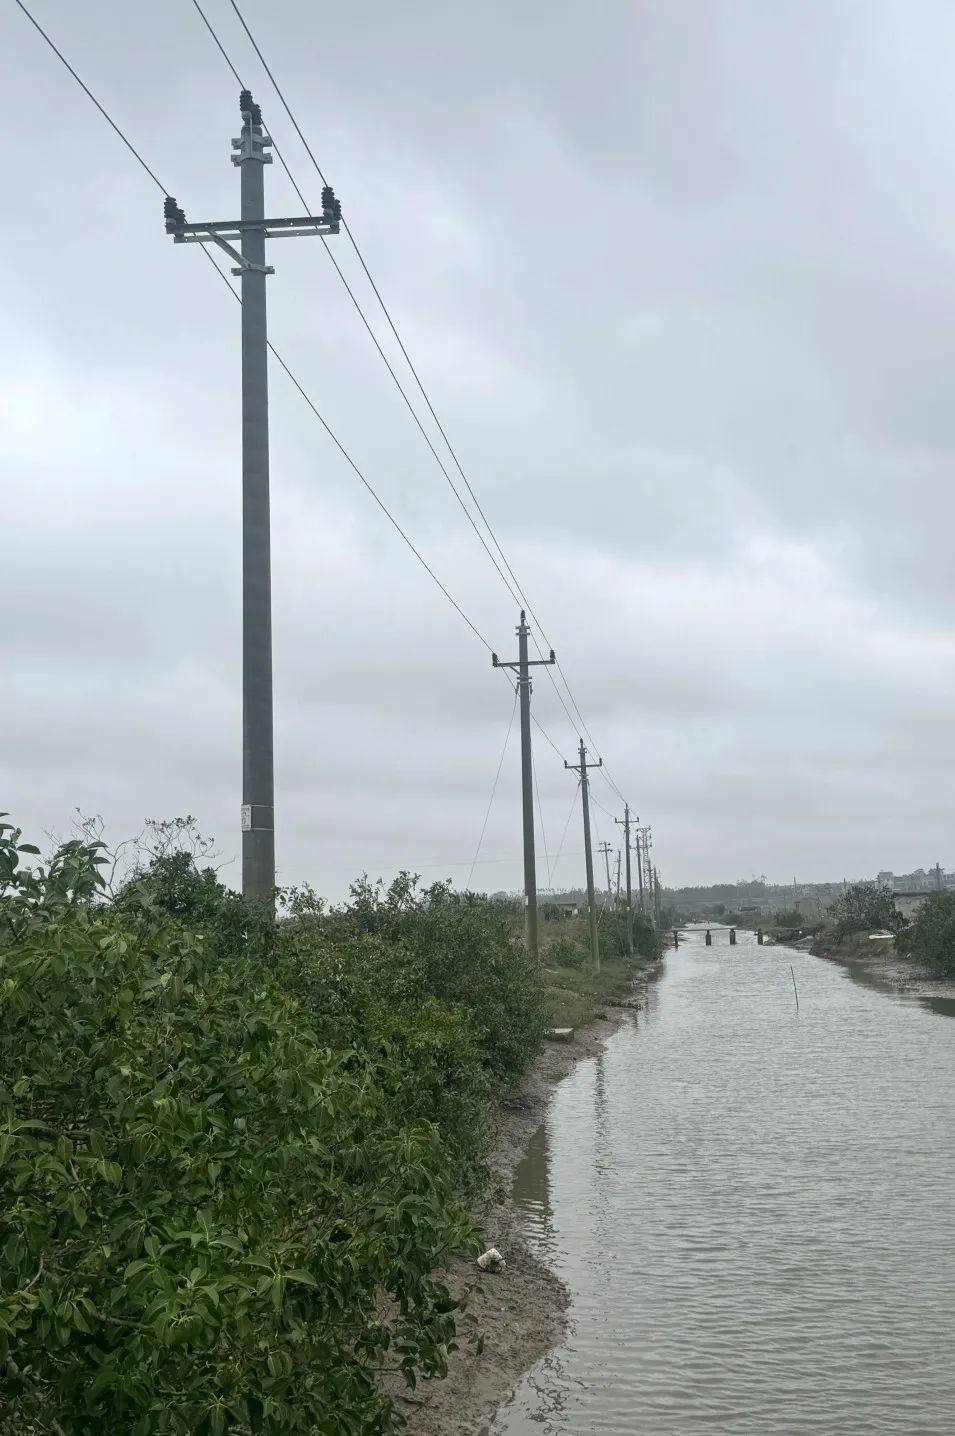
(304, 1278)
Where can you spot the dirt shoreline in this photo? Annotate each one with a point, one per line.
(521, 1313)
(880, 965)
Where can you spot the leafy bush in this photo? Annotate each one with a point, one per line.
(931, 937)
(862, 907)
(391, 946)
(789, 917)
(174, 883)
(227, 1173)
(565, 952)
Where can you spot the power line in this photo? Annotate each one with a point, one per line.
(292, 377)
(355, 301)
(546, 736)
(275, 354)
(540, 815)
(89, 94)
(520, 596)
(497, 775)
(573, 804)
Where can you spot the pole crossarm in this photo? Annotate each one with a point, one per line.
(583, 766)
(520, 665)
(234, 228)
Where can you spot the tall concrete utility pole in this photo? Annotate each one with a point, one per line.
(656, 897)
(639, 853)
(625, 820)
(582, 768)
(251, 232)
(523, 668)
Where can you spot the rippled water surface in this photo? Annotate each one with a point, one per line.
(754, 1212)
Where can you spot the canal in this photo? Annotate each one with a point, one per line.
(754, 1211)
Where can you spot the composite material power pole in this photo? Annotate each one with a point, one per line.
(582, 768)
(523, 668)
(251, 232)
(625, 820)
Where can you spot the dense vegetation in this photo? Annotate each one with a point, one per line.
(233, 1152)
(931, 937)
(863, 908)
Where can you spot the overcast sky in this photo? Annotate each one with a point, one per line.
(680, 277)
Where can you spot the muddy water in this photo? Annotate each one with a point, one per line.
(754, 1211)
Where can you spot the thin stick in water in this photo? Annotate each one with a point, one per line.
(795, 988)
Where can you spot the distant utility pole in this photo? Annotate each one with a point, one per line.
(656, 897)
(251, 232)
(647, 836)
(523, 668)
(638, 850)
(607, 849)
(616, 895)
(582, 768)
(625, 820)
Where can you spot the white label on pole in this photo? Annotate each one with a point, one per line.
(246, 817)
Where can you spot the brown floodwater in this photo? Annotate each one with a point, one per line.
(754, 1212)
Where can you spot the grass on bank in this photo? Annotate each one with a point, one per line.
(574, 994)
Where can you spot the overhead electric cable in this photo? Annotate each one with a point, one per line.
(276, 355)
(365, 321)
(290, 375)
(573, 804)
(490, 801)
(424, 393)
(540, 817)
(89, 94)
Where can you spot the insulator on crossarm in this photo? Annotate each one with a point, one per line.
(256, 115)
(331, 207)
(172, 214)
(245, 101)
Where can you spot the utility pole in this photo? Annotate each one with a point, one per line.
(656, 897)
(625, 820)
(582, 768)
(648, 868)
(251, 232)
(616, 894)
(523, 668)
(607, 849)
(638, 849)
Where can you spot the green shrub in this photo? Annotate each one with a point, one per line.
(565, 952)
(456, 947)
(212, 1219)
(931, 937)
(863, 907)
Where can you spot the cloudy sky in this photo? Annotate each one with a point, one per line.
(680, 278)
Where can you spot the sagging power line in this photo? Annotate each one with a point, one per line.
(313, 224)
(509, 578)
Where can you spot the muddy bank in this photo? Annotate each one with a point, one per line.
(520, 1313)
(878, 963)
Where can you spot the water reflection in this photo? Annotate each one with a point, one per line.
(753, 1213)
